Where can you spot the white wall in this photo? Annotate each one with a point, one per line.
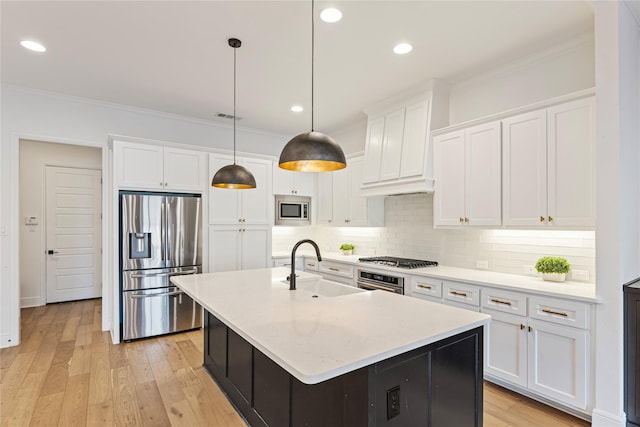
(617, 196)
(564, 69)
(35, 115)
(34, 158)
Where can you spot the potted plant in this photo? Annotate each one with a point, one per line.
(347, 248)
(553, 268)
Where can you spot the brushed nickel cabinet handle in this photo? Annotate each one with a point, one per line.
(424, 286)
(559, 313)
(461, 294)
(498, 301)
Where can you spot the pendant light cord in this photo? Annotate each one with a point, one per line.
(312, 57)
(234, 105)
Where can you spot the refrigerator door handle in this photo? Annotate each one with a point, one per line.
(167, 274)
(170, 294)
(163, 232)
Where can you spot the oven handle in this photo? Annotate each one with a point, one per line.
(371, 286)
(166, 274)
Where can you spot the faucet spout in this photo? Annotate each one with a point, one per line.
(292, 277)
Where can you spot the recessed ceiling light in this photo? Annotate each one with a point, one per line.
(297, 108)
(330, 15)
(403, 48)
(34, 46)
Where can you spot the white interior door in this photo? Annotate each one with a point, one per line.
(74, 240)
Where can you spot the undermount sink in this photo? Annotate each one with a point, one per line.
(327, 288)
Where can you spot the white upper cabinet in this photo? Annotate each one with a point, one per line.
(340, 202)
(468, 177)
(251, 206)
(548, 161)
(289, 182)
(397, 156)
(239, 247)
(154, 167)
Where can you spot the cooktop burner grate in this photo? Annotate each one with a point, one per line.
(399, 262)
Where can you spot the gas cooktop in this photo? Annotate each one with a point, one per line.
(399, 262)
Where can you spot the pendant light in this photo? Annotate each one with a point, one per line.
(234, 176)
(312, 151)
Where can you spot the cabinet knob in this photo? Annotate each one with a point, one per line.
(161, 184)
(166, 184)
(522, 326)
(530, 329)
(550, 218)
(541, 218)
(461, 219)
(466, 219)
(239, 219)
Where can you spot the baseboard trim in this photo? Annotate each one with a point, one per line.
(600, 418)
(30, 302)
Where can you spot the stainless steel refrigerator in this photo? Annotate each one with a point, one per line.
(160, 237)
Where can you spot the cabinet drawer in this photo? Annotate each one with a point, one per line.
(462, 305)
(462, 293)
(311, 264)
(336, 269)
(426, 286)
(286, 262)
(568, 313)
(507, 302)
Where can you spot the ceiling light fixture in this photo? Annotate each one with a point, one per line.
(402, 48)
(330, 15)
(34, 46)
(312, 151)
(234, 176)
(297, 108)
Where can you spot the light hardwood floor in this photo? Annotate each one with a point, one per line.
(66, 372)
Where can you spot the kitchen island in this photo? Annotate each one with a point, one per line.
(329, 354)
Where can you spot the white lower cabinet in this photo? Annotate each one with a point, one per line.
(286, 262)
(547, 357)
(239, 247)
(337, 272)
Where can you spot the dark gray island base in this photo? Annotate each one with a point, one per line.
(437, 385)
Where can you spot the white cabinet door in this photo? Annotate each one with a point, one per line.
(224, 248)
(224, 203)
(373, 150)
(138, 166)
(570, 163)
(341, 197)
(392, 145)
(256, 203)
(184, 170)
(357, 203)
(483, 201)
(506, 347)
(558, 361)
(305, 183)
(256, 244)
(449, 172)
(324, 201)
(524, 162)
(289, 182)
(414, 141)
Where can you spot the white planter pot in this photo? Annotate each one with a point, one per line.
(554, 277)
(344, 252)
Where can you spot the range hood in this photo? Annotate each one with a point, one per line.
(422, 185)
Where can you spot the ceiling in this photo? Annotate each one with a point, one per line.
(173, 56)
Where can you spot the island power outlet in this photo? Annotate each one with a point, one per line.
(393, 402)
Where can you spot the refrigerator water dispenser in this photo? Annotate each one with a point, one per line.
(139, 245)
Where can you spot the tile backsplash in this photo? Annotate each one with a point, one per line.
(409, 232)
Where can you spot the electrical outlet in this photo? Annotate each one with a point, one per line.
(580, 274)
(529, 270)
(482, 265)
(393, 402)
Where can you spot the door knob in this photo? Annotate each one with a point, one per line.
(52, 252)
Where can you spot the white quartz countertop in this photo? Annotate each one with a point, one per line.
(577, 291)
(322, 337)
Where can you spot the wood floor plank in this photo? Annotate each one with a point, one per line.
(47, 410)
(56, 381)
(74, 404)
(137, 357)
(181, 415)
(80, 362)
(100, 379)
(70, 328)
(100, 414)
(125, 403)
(42, 361)
(191, 353)
(63, 353)
(15, 375)
(152, 410)
(19, 410)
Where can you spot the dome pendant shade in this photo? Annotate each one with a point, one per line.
(234, 177)
(312, 152)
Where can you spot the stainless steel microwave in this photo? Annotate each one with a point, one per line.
(293, 210)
